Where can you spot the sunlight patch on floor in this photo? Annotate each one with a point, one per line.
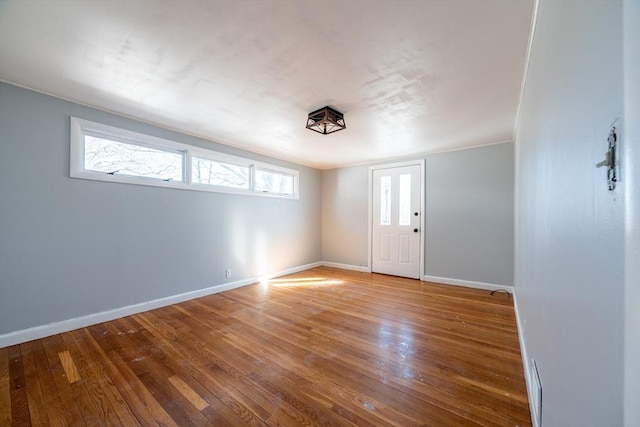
(305, 282)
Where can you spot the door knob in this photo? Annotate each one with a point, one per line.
(415, 230)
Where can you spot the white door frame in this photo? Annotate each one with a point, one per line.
(418, 162)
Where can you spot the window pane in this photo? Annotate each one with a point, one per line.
(273, 182)
(404, 204)
(205, 171)
(114, 157)
(385, 200)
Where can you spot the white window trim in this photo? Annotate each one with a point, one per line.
(222, 158)
(80, 127)
(275, 169)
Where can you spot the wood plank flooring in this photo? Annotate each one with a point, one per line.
(324, 347)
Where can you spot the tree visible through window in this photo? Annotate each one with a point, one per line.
(114, 157)
(273, 182)
(205, 171)
(105, 153)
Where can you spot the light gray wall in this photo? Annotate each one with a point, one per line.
(345, 215)
(469, 215)
(73, 247)
(569, 228)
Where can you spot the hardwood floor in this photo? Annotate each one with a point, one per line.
(323, 347)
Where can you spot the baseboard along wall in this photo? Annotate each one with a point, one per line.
(360, 268)
(43, 331)
(468, 283)
(526, 363)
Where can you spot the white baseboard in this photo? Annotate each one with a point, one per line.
(528, 374)
(443, 280)
(43, 331)
(467, 283)
(289, 271)
(362, 269)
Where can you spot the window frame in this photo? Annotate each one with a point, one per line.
(81, 127)
(220, 158)
(127, 141)
(274, 170)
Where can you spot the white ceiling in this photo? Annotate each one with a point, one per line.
(411, 77)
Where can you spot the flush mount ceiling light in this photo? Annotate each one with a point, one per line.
(326, 120)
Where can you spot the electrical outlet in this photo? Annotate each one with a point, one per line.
(227, 273)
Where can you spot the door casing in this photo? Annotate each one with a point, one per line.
(421, 163)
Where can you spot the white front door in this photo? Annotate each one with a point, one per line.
(396, 221)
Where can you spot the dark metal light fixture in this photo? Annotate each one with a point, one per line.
(326, 120)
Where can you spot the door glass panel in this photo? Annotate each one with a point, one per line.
(385, 200)
(404, 196)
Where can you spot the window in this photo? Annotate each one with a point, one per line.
(404, 200)
(211, 172)
(385, 200)
(115, 157)
(105, 153)
(269, 181)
